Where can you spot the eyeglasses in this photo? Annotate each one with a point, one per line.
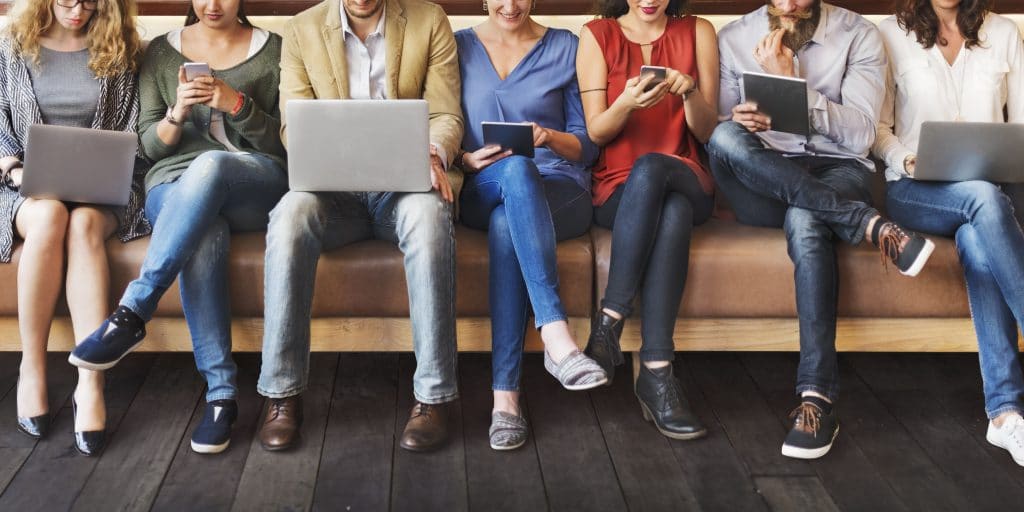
(88, 5)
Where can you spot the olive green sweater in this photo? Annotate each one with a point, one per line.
(255, 129)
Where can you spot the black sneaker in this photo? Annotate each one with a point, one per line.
(908, 250)
(116, 337)
(813, 430)
(214, 432)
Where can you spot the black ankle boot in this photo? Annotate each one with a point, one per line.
(603, 345)
(661, 399)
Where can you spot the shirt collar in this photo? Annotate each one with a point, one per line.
(347, 29)
(821, 32)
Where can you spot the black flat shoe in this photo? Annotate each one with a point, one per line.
(88, 443)
(35, 427)
(603, 345)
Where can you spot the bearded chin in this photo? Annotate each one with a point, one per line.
(802, 32)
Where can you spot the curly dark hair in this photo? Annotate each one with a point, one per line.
(918, 15)
(616, 8)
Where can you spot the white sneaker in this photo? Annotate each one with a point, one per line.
(1009, 437)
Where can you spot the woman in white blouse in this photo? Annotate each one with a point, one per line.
(953, 60)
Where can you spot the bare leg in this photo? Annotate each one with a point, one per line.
(42, 224)
(88, 293)
(507, 401)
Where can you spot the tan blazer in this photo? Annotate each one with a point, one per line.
(421, 61)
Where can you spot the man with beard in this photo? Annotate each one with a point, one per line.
(817, 188)
(367, 49)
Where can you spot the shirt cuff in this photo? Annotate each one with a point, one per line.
(442, 154)
(817, 104)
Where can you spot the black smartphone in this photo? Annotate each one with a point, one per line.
(659, 73)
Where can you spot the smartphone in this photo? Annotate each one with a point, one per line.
(196, 69)
(658, 72)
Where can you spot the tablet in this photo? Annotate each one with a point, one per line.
(515, 136)
(781, 98)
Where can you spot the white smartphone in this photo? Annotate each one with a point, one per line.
(659, 73)
(196, 69)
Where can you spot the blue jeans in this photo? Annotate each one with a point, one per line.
(219, 193)
(991, 247)
(525, 214)
(306, 223)
(652, 217)
(815, 200)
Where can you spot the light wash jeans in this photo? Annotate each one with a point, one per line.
(304, 224)
(193, 217)
(991, 247)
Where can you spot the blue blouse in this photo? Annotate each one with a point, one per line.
(541, 89)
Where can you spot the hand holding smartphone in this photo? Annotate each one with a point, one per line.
(194, 70)
(658, 72)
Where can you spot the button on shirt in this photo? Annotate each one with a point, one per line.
(844, 64)
(366, 77)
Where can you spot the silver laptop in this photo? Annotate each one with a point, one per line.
(358, 145)
(970, 151)
(82, 165)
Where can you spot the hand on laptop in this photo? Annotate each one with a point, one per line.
(773, 56)
(487, 155)
(909, 163)
(752, 119)
(634, 97)
(439, 178)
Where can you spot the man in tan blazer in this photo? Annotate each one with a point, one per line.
(367, 49)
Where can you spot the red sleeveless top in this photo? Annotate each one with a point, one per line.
(660, 128)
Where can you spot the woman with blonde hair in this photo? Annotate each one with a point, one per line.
(71, 63)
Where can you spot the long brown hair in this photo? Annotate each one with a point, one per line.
(617, 8)
(111, 37)
(919, 17)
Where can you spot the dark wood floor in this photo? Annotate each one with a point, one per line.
(912, 438)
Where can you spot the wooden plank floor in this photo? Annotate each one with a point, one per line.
(912, 438)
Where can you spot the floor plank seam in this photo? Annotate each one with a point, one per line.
(536, 451)
(391, 475)
(607, 449)
(327, 424)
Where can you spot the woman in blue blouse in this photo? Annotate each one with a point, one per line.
(515, 70)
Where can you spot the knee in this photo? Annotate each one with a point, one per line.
(295, 216)
(677, 213)
(426, 218)
(208, 169)
(648, 172)
(520, 174)
(802, 225)
(727, 138)
(215, 243)
(499, 234)
(988, 201)
(44, 219)
(87, 226)
(970, 249)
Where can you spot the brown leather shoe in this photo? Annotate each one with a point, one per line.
(427, 428)
(281, 423)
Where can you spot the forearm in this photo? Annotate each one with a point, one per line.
(701, 117)
(565, 145)
(842, 124)
(607, 125)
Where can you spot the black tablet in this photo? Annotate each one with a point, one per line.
(783, 99)
(515, 136)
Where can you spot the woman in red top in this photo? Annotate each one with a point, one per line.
(649, 185)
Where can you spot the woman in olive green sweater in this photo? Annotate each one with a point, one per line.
(218, 167)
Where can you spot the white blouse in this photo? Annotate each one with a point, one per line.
(922, 86)
(217, 132)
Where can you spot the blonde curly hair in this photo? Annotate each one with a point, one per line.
(113, 42)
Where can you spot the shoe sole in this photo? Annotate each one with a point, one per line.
(809, 453)
(421, 450)
(584, 387)
(997, 444)
(210, 448)
(922, 258)
(98, 367)
(668, 433)
(507, 448)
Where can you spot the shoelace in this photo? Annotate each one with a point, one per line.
(279, 407)
(421, 409)
(808, 417)
(889, 244)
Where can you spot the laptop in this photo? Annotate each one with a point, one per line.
(358, 145)
(81, 165)
(949, 151)
(782, 98)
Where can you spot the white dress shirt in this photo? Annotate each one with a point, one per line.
(922, 86)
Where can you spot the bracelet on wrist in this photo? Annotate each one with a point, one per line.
(170, 118)
(238, 105)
